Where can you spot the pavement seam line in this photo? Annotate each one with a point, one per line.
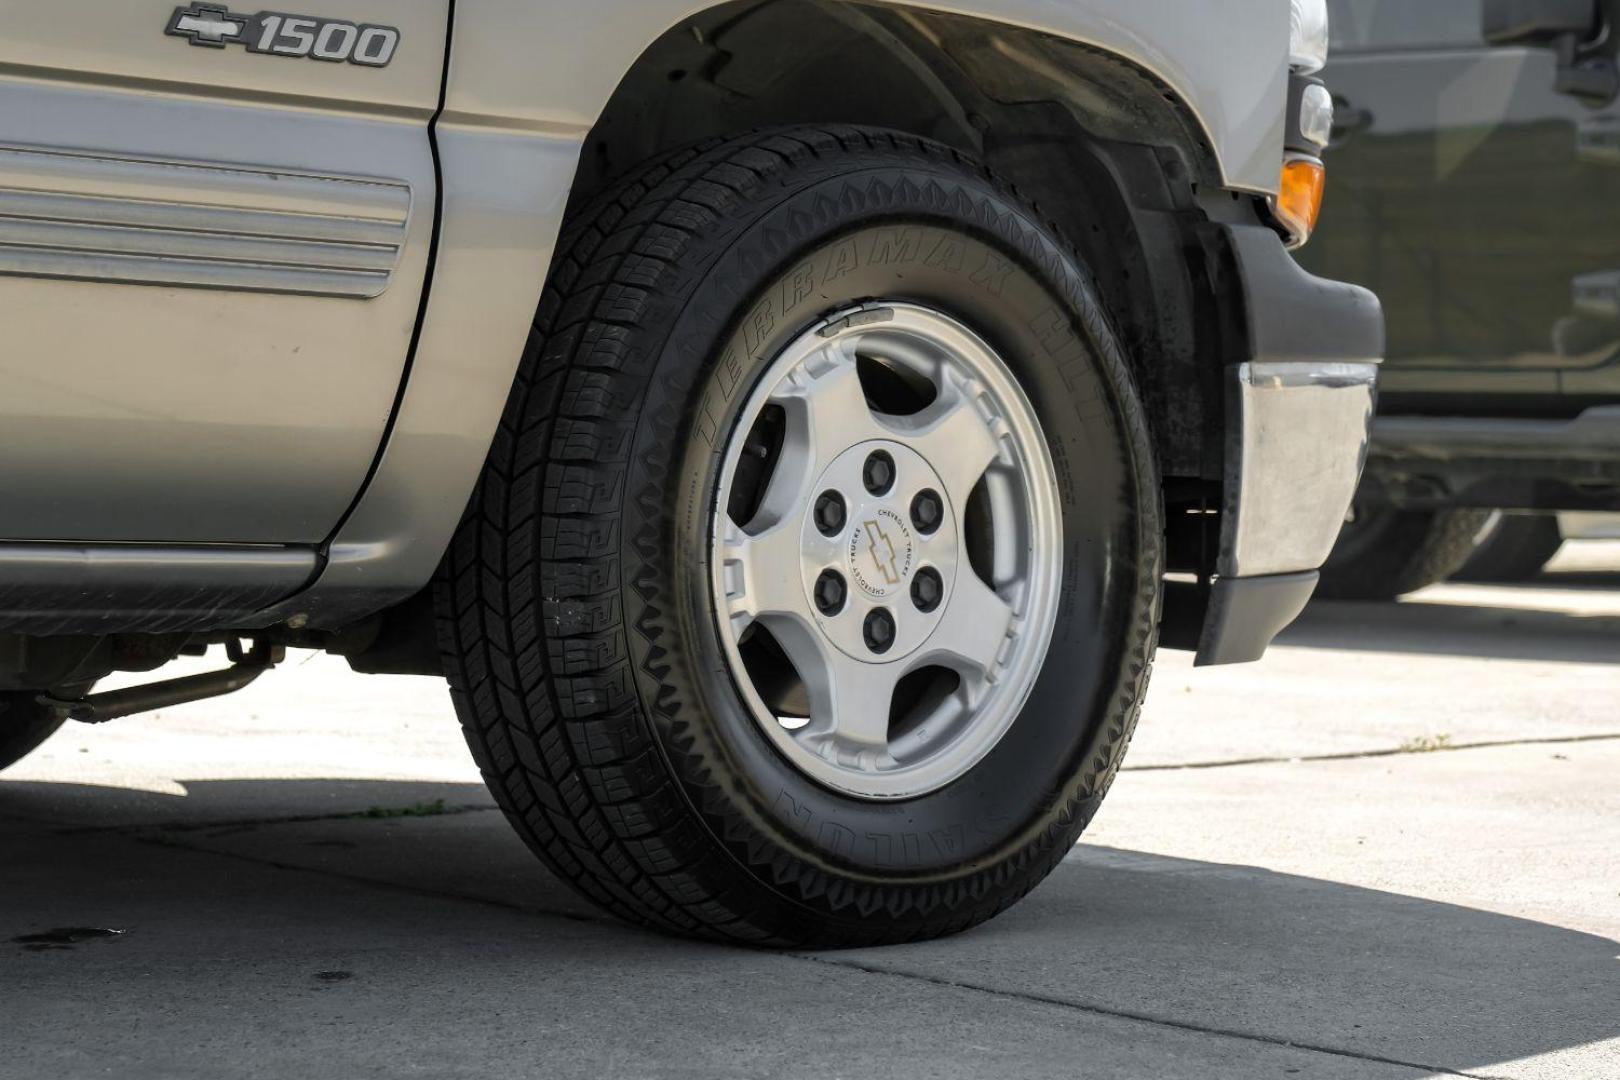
(1143, 1018)
(248, 823)
(1392, 751)
(1029, 998)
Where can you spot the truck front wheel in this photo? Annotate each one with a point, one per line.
(1383, 552)
(811, 590)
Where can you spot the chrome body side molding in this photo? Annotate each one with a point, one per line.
(93, 217)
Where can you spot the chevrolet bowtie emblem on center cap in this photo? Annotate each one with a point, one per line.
(214, 26)
(881, 546)
(880, 552)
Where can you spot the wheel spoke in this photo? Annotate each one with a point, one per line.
(761, 574)
(975, 629)
(850, 703)
(957, 438)
(826, 406)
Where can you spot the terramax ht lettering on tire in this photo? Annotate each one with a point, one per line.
(811, 589)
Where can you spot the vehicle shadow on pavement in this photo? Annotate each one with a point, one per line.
(1595, 580)
(1452, 629)
(379, 924)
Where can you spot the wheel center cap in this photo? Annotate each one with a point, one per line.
(878, 552)
(881, 553)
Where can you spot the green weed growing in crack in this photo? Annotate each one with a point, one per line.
(1425, 744)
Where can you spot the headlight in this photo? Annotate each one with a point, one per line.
(1308, 35)
(1316, 115)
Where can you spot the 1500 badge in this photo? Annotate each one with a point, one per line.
(280, 34)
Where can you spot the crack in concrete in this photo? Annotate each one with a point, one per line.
(1354, 755)
(1147, 1018)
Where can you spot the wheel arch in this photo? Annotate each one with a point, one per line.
(558, 65)
(970, 81)
(1105, 149)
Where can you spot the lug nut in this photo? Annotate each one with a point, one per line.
(878, 472)
(927, 589)
(830, 592)
(829, 513)
(927, 511)
(879, 630)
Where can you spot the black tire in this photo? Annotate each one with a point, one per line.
(573, 608)
(24, 725)
(1516, 547)
(1383, 553)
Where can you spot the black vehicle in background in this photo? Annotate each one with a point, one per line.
(1476, 188)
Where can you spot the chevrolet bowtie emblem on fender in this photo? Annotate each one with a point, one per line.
(207, 25)
(214, 26)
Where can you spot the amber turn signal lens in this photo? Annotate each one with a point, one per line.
(1299, 198)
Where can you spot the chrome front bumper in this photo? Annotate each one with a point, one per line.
(1298, 436)
(1299, 413)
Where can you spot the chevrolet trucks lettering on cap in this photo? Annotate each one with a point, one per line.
(214, 26)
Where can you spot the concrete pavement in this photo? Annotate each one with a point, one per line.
(1392, 849)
